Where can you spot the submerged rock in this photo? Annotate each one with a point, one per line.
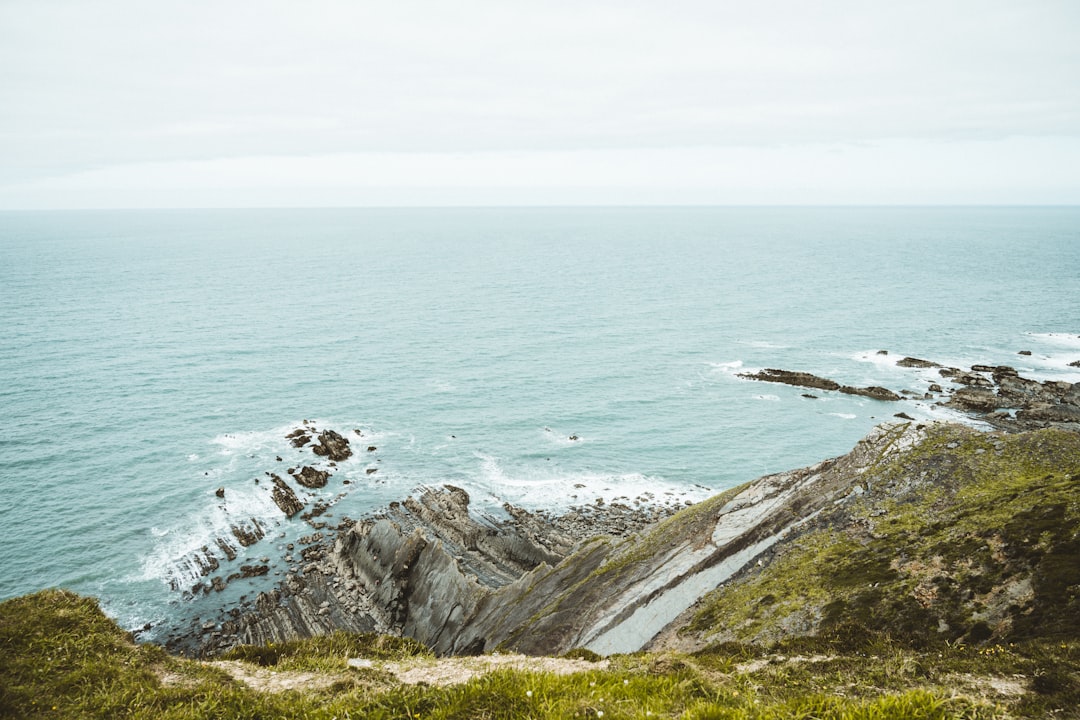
(912, 362)
(803, 379)
(790, 377)
(874, 392)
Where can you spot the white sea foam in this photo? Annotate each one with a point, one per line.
(562, 438)
(172, 559)
(1058, 339)
(873, 357)
(245, 456)
(763, 344)
(768, 398)
(548, 488)
(843, 416)
(734, 369)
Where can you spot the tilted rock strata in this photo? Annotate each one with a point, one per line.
(285, 497)
(966, 537)
(426, 568)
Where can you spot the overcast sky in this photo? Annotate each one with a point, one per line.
(155, 103)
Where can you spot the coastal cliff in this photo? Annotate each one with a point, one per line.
(932, 532)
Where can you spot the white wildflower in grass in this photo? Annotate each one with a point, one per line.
(625, 682)
(599, 713)
(528, 693)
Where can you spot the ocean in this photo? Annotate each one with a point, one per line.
(150, 358)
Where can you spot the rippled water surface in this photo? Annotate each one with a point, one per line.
(149, 358)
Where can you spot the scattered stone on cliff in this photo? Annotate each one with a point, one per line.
(285, 497)
(332, 445)
(309, 477)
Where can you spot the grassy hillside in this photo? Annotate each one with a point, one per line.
(969, 537)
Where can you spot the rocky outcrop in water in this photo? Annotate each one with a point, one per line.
(808, 380)
(791, 377)
(997, 395)
(333, 446)
(912, 362)
(285, 497)
(309, 477)
(874, 392)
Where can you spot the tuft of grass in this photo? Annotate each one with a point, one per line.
(327, 652)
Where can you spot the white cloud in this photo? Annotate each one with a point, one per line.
(128, 85)
(889, 172)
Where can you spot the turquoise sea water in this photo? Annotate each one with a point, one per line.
(148, 358)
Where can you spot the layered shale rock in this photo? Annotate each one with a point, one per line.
(285, 498)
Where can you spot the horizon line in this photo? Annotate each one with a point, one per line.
(548, 206)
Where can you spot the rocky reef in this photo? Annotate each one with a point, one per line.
(995, 394)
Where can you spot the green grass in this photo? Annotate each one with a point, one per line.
(60, 657)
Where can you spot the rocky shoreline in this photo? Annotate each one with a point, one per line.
(995, 394)
(362, 575)
(463, 583)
